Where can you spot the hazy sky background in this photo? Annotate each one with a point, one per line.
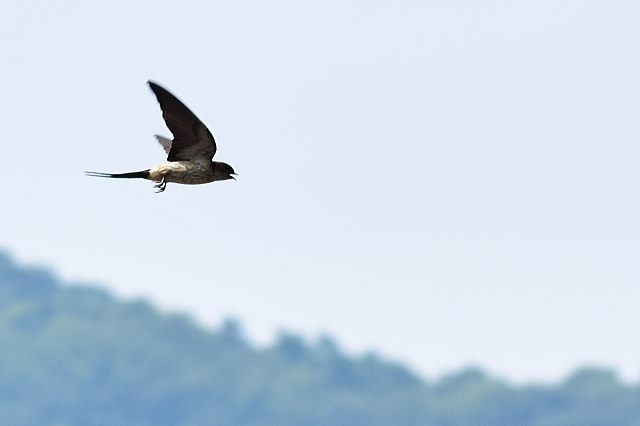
(446, 183)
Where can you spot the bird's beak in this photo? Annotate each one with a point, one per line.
(232, 175)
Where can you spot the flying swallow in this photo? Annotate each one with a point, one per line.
(189, 154)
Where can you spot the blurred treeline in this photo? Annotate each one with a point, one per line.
(75, 355)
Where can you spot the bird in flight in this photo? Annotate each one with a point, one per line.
(190, 153)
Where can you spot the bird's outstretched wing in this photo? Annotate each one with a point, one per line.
(166, 143)
(191, 138)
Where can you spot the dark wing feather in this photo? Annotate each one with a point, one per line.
(191, 138)
(166, 143)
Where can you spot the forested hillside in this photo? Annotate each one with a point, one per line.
(75, 355)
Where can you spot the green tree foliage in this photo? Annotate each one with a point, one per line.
(75, 356)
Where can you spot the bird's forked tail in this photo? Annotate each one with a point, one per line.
(143, 174)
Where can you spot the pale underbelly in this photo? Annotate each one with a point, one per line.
(184, 172)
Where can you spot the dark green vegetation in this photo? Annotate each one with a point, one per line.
(77, 356)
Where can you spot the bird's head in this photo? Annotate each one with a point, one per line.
(224, 171)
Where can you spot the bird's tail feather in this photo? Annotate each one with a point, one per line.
(143, 174)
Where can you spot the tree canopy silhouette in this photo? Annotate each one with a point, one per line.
(76, 355)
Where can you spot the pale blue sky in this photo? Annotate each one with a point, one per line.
(447, 183)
